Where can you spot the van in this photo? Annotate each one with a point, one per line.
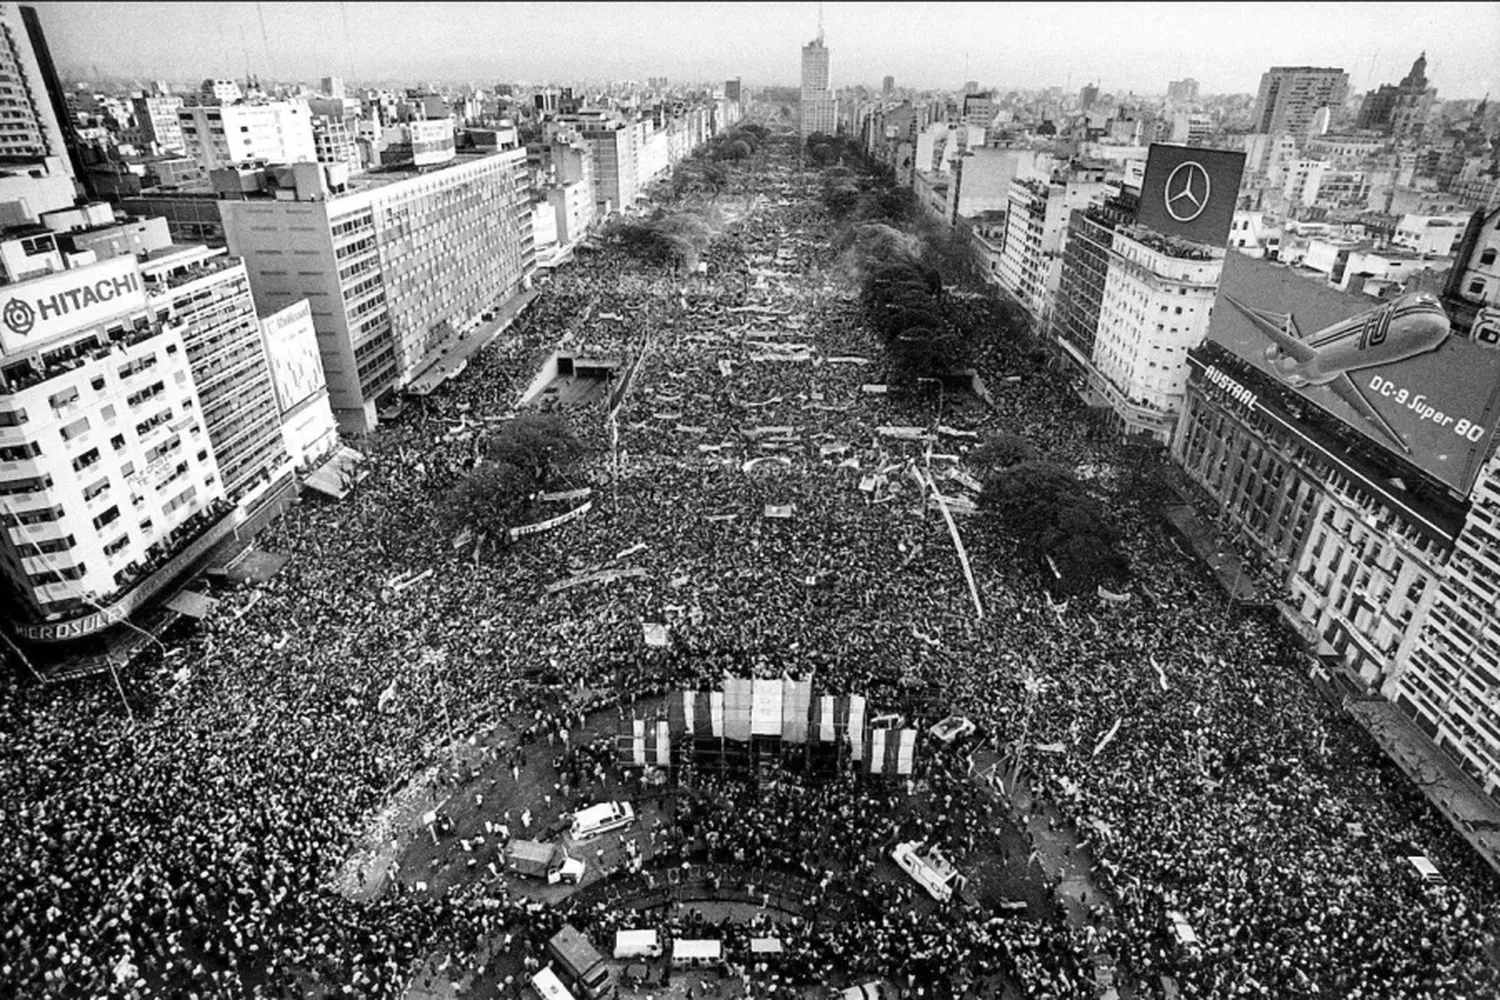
(601, 819)
(579, 963)
(696, 954)
(931, 871)
(1426, 870)
(637, 944)
(547, 986)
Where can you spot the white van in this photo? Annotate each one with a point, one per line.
(602, 818)
(1426, 870)
(548, 986)
(700, 953)
(637, 944)
(931, 871)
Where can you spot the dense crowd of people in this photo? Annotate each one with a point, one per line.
(188, 854)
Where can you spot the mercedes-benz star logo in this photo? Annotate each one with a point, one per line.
(1186, 193)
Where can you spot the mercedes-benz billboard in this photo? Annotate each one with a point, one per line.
(1190, 192)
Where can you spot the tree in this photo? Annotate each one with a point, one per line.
(1050, 514)
(999, 452)
(542, 446)
(493, 496)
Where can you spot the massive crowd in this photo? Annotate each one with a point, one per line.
(188, 854)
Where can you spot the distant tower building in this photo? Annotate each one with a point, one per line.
(1089, 95)
(732, 90)
(819, 107)
(1290, 97)
(888, 86)
(220, 92)
(334, 87)
(1400, 110)
(1183, 91)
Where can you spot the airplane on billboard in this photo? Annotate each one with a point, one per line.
(1409, 326)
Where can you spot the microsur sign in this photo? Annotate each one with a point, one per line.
(35, 312)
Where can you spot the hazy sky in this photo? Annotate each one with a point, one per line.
(1126, 46)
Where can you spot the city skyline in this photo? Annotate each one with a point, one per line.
(1129, 50)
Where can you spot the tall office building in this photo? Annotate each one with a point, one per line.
(820, 110)
(230, 134)
(1183, 91)
(156, 120)
(1291, 96)
(732, 90)
(207, 296)
(888, 86)
(39, 167)
(397, 266)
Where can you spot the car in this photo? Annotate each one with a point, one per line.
(953, 728)
(931, 870)
(600, 819)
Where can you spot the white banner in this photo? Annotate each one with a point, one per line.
(578, 494)
(550, 523)
(877, 751)
(765, 712)
(663, 744)
(857, 725)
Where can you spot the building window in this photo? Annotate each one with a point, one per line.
(1488, 257)
(1476, 288)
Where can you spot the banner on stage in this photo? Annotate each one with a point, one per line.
(550, 523)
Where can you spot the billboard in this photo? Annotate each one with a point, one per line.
(34, 312)
(1190, 193)
(1393, 371)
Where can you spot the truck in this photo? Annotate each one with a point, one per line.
(579, 963)
(931, 871)
(537, 859)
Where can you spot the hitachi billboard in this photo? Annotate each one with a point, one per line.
(34, 312)
(1393, 370)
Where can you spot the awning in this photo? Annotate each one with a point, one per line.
(337, 476)
(192, 604)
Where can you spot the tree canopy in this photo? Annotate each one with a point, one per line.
(1050, 514)
(521, 458)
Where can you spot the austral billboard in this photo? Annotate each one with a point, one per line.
(1190, 193)
(1393, 370)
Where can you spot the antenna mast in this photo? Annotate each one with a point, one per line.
(820, 24)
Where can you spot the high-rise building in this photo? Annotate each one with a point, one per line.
(1157, 298)
(333, 87)
(207, 296)
(820, 108)
(397, 267)
(156, 120)
(732, 90)
(220, 92)
(1399, 110)
(888, 86)
(230, 134)
(1183, 91)
(40, 163)
(1036, 223)
(1290, 97)
(1088, 96)
(1450, 684)
(615, 145)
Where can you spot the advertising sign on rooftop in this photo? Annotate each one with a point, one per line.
(34, 312)
(1394, 371)
(1190, 193)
